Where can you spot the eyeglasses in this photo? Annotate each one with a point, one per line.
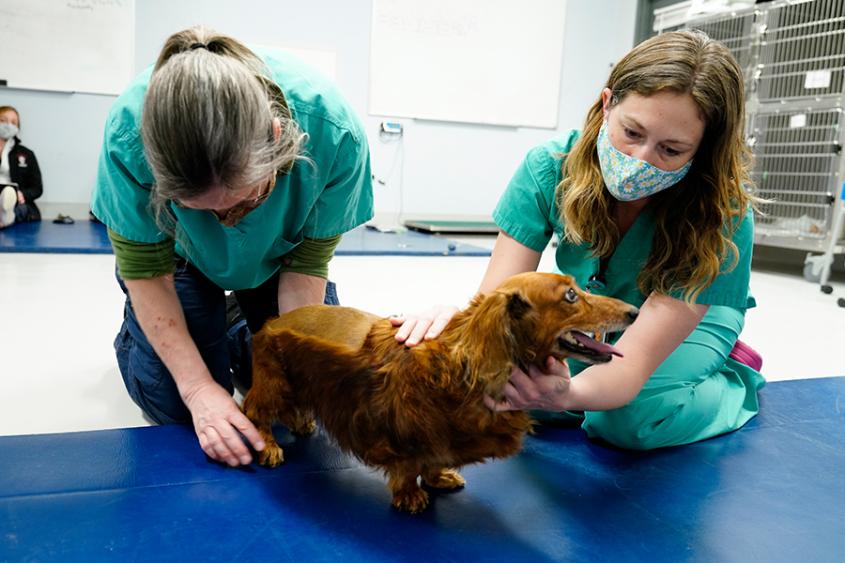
(231, 216)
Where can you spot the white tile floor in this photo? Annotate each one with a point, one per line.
(59, 314)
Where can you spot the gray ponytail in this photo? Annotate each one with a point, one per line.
(208, 120)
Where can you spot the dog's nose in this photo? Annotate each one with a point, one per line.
(633, 314)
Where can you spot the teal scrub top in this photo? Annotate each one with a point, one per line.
(324, 195)
(528, 212)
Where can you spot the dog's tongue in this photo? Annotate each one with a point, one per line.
(588, 342)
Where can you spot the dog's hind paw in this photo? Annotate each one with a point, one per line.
(444, 479)
(411, 501)
(271, 456)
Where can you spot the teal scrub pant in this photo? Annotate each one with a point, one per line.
(697, 393)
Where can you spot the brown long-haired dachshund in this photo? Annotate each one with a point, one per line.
(418, 412)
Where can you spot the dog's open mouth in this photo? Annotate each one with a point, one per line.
(584, 344)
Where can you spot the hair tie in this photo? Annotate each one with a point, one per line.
(198, 46)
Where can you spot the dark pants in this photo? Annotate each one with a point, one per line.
(25, 212)
(224, 346)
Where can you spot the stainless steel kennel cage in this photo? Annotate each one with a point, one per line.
(792, 53)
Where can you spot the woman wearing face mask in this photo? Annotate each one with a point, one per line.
(221, 170)
(20, 177)
(650, 205)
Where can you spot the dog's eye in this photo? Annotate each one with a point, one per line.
(570, 295)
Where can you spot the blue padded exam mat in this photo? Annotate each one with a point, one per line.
(772, 491)
(86, 237)
(82, 237)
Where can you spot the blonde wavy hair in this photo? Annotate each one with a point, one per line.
(208, 120)
(696, 218)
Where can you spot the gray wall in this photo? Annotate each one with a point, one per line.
(65, 131)
(449, 169)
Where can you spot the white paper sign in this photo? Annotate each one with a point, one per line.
(817, 79)
(798, 120)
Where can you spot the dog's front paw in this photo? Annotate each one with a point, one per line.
(413, 501)
(271, 455)
(445, 479)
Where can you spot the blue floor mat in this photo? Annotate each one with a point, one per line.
(86, 237)
(772, 491)
(82, 237)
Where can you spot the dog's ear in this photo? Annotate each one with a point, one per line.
(517, 306)
(483, 338)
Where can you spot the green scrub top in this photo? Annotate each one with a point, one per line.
(529, 213)
(324, 195)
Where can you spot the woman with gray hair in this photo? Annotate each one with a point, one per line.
(221, 169)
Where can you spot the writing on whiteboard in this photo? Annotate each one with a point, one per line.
(90, 5)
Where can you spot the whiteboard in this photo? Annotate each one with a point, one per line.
(67, 45)
(478, 61)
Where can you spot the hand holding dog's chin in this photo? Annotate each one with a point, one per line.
(540, 389)
(219, 425)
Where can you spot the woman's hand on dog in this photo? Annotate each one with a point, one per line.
(415, 328)
(542, 390)
(219, 425)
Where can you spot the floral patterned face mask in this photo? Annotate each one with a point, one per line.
(628, 178)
